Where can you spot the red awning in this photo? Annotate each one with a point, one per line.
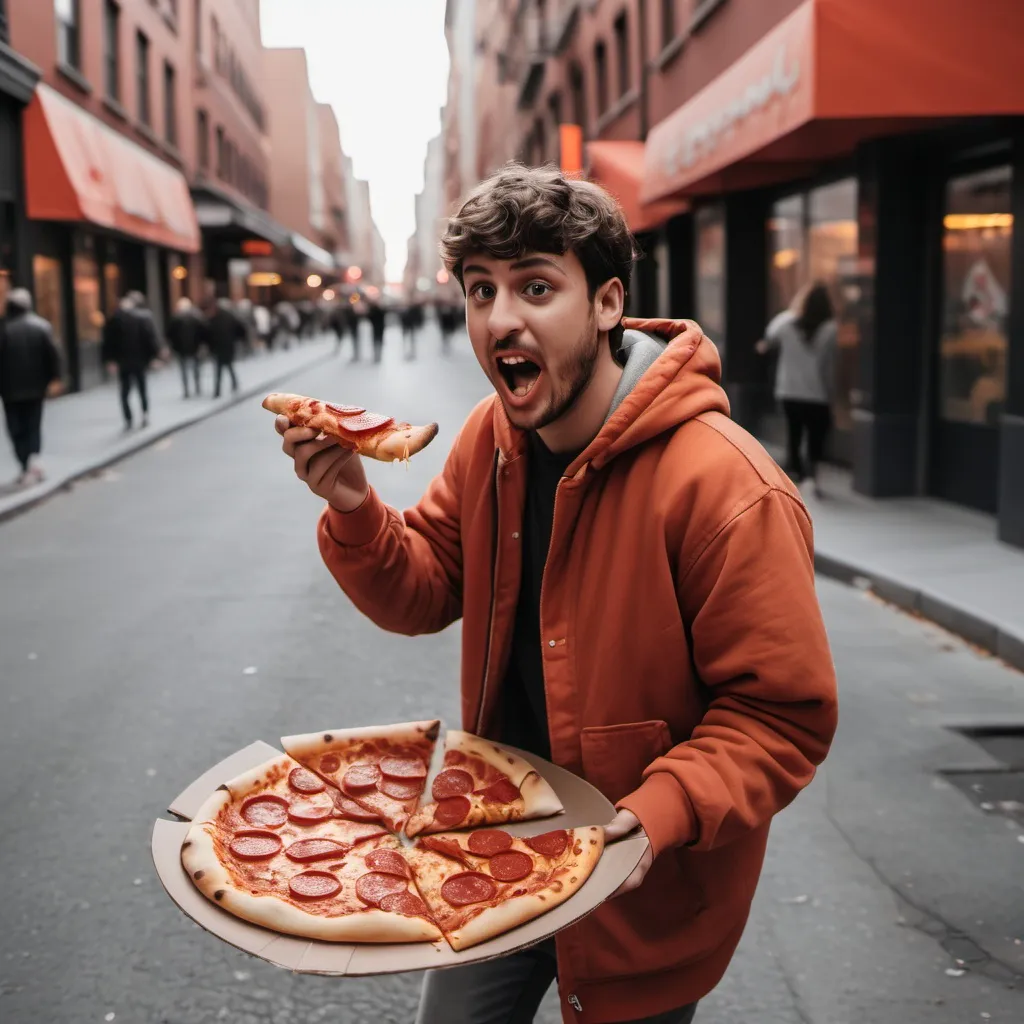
(619, 167)
(835, 72)
(78, 169)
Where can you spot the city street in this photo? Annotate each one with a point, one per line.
(161, 615)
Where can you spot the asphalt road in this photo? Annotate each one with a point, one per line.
(175, 608)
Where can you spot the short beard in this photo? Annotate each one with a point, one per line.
(576, 373)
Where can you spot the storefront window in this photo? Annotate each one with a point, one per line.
(6, 252)
(89, 319)
(111, 287)
(832, 258)
(786, 252)
(976, 303)
(177, 278)
(46, 277)
(711, 272)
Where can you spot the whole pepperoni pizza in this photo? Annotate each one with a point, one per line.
(309, 843)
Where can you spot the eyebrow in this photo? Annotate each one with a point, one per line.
(523, 264)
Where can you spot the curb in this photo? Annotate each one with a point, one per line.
(966, 624)
(54, 485)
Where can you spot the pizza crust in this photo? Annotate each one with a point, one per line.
(402, 443)
(313, 744)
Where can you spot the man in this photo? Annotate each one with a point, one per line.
(129, 347)
(186, 335)
(378, 319)
(225, 330)
(29, 371)
(677, 660)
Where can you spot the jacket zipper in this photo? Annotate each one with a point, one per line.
(494, 590)
(574, 1002)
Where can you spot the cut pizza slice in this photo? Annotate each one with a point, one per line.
(484, 884)
(368, 433)
(380, 771)
(269, 848)
(482, 783)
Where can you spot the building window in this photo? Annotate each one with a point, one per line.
(579, 97)
(217, 46)
(555, 107)
(710, 297)
(622, 52)
(668, 22)
(142, 78)
(601, 70)
(112, 49)
(203, 140)
(976, 297)
(68, 26)
(221, 158)
(197, 28)
(170, 104)
(541, 141)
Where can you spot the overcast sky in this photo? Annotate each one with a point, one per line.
(383, 66)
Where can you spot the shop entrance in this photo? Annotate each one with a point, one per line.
(973, 344)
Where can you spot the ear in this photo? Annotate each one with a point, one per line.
(609, 302)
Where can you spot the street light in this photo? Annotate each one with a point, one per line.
(442, 276)
(353, 274)
(328, 294)
(179, 273)
(314, 280)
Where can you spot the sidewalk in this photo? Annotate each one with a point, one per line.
(938, 560)
(82, 432)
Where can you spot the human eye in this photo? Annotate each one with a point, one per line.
(538, 289)
(482, 292)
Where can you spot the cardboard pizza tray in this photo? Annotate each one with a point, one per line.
(584, 805)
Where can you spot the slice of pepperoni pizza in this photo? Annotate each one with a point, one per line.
(367, 433)
(270, 848)
(380, 770)
(482, 783)
(484, 884)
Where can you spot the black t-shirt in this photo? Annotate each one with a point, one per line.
(524, 708)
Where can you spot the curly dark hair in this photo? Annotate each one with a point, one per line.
(538, 209)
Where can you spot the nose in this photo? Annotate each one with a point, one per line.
(504, 318)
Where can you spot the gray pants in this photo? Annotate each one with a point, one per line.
(505, 991)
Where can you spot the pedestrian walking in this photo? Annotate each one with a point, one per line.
(186, 336)
(29, 371)
(225, 331)
(378, 319)
(805, 338)
(447, 322)
(410, 317)
(129, 347)
(679, 660)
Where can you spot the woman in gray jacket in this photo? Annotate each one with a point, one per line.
(806, 341)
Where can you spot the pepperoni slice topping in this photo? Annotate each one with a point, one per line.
(302, 780)
(450, 812)
(549, 844)
(255, 845)
(452, 782)
(504, 791)
(511, 866)
(373, 887)
(330, 763)
(310, 812)
(361, 777)
(405, 903)
(345, 410)
(403, 767)
(351, 810)
(315, 849)
(445, 847)
(388, 862)
(401, 789)
(314, 885)
(468, 887)
(366, 422)
(265, 811)
(489, 841)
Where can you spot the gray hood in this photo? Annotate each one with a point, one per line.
(641, 351)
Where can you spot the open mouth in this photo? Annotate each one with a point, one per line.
(519, 373)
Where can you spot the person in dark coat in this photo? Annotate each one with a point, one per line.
(377, 318)
(29, 371)
(186, 335)
(129, 346)
(225, 330)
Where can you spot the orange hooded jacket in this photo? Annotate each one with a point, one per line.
(686, 667)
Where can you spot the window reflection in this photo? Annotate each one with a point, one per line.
(978, 229)
(710, 298)
(786, 252)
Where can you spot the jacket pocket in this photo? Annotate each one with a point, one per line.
(615, 756)
(652, 928)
